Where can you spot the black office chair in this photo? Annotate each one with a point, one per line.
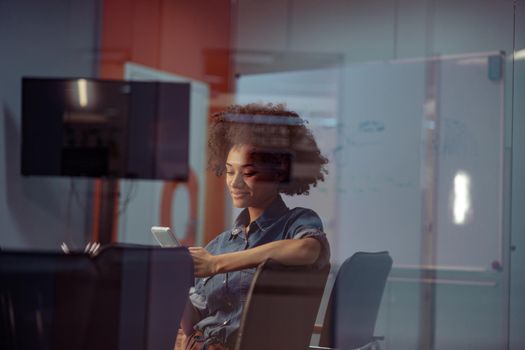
(46, 300)
(141, 294)
(127, 297)
(354, 302)
(281, 307)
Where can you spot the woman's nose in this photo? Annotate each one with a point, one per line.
(237, 181)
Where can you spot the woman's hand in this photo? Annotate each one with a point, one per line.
(203, 262)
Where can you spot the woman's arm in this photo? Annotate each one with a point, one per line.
(190, 317)
(304, 251)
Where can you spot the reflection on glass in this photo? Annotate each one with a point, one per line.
(82, 93)
(461, 197)
(84, 127)
(519, 55)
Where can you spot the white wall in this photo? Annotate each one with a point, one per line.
(56, 39)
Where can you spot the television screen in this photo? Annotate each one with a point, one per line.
(105, 128)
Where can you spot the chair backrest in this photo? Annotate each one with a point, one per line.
(354, 301)
(141, 295)
(45, 300)
(281, 307)
(127, 297)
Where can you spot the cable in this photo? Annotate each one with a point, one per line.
(130, 195)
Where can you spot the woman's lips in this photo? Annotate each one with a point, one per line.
(238, 194)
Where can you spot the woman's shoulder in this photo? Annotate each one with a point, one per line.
(300, 211)
(305, 217)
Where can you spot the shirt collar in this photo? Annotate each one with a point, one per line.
(275, 210)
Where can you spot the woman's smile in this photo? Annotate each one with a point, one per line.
(237, 194)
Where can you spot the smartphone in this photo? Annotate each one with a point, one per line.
(165, 237)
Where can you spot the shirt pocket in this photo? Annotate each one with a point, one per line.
(214, 290)
(246, 281)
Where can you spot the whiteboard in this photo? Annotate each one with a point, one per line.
(370, 120)
(382, 167)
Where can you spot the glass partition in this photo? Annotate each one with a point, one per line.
(418, 133)
(416, 105)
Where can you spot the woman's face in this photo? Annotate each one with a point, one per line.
(250, 185)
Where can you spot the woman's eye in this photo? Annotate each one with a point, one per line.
(250, 174)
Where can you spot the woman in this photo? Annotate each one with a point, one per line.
(264, 150)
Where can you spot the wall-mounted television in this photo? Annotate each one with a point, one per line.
(105, 128)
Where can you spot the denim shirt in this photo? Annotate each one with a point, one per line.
(219, 299)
